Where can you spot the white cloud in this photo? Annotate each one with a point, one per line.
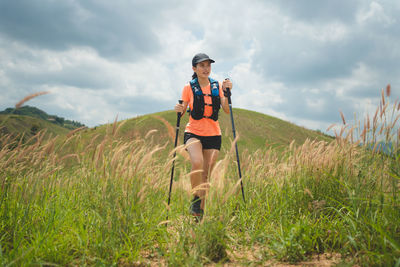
(374, 14)
(253, 90)
(299, 62)
(362, 76)
(320, 33)
(84, 86)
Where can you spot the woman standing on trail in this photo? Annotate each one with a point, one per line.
(202, 135)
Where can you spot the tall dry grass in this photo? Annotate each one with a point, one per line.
(101, 200)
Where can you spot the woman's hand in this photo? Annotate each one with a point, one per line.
(224, 100)
(227, 84)
(179, 108)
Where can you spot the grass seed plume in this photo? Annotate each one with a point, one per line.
(29, 97)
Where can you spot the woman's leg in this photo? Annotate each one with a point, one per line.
(195, 150)
(209, 158)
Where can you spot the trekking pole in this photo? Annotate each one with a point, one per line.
(178, 122)
(234, 137)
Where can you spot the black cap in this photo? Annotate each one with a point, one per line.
(200, 57)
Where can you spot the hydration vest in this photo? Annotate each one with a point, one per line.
(198, 100)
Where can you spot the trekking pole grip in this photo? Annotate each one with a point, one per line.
(228, 93)
(180, 102)
(179, 114)
(229, 96)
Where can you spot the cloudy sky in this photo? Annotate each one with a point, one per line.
(301, 61)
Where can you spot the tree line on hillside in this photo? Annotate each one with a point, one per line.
(37, 113)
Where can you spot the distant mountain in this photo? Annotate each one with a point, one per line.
(40, 114)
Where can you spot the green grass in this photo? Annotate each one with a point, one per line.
(105, 206)
(28, 126)
(98, 197)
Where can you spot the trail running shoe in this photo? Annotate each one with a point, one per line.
(195, 209)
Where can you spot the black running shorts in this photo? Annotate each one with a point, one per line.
(208, 142)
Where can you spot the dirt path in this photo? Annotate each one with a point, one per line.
(324, 260)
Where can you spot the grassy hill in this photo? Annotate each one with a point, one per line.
(40, 114)
(29, 126)
(255, 130)
(98, 197)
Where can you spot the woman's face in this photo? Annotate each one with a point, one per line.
(203, 69)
